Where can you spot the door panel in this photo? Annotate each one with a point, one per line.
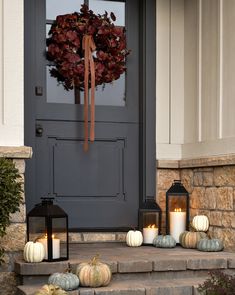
(106, 177)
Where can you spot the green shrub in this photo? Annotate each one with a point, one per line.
(219, 283)
(10, 195)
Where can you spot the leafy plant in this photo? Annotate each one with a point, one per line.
(219, 283)
(10, 195)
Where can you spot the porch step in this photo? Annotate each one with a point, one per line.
(142, 267)
(134, 287)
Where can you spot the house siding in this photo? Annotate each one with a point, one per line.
(11, 73)
(195, 87)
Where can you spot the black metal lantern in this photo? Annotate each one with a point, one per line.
(177, 210)
(150, 215)
(48, 224)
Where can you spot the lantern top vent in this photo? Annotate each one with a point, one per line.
(48, 209)
(150, 205)
(177, 188)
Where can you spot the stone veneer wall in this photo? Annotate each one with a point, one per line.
(211, 185)
(14, 240)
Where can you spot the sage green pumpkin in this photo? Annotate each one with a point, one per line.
(164, 241)
(94, 273)
(189, 239)
(210, 245)
(50, 290)
(67, 281)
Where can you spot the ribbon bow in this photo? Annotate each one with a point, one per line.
(88, 46)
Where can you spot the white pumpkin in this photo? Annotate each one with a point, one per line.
(200, 223)
(134, 238)
(34, 252)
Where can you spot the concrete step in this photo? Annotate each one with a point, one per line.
(129, 263)
(134, 287)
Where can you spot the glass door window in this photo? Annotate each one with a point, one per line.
(111, 94)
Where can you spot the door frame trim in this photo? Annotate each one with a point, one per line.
(147, 91)
(147, 99)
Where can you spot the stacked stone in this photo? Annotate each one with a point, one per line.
(14, 240)
(212, 193)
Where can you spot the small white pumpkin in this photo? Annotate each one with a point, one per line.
(200, 223)
(134, 238)
(34, 252)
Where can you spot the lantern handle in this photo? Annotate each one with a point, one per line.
(178, 181)
(47, 200)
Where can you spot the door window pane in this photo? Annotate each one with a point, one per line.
(112, 94)
(59, 7)
(56, 92)
(117, 7)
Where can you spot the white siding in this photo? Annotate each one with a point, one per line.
(228, 69)
(191, 65)
(207, 69)
(11, 73)
(170, 77)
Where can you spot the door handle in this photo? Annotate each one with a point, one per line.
(39, 130)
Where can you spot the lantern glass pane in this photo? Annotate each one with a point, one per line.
(59, 233)
(36, 227)
(150, 219)
(177, 203)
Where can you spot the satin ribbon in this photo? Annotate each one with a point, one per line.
(88, 46)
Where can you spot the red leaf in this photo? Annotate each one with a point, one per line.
(113, 17)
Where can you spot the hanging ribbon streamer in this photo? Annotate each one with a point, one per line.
(88, 46)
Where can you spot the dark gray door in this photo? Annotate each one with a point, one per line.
(100, 188)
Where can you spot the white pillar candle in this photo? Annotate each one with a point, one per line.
(149, 233)
(177, 224)
(55, 247)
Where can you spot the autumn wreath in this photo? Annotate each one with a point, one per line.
(86, 50)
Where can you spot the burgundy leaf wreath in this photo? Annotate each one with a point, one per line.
(86, 50)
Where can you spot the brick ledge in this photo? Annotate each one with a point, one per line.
(222, 160)
(16, 152)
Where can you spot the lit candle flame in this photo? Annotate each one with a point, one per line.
(177, 210)
(151, 226)
(52, 236)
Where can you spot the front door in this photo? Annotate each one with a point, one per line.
(99, 189)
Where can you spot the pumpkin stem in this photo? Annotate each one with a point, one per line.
(38, 238)
(69, 268)
(191, 227)
(95, 259)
